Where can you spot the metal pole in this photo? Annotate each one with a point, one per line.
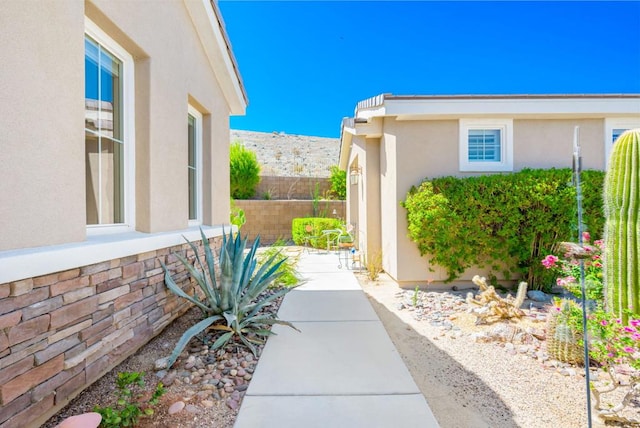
(577, 167)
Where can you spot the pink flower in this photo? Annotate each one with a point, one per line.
(586, 237)
(618, 321)
(629, 329)
(597, 264)
(635, 323)
(587, 248)
(604, 322)
(570, 279)
(629, 350)
(599, 243)
(549, 261)
(561, 282)
(611, 355)
(596, 257)
(636, 337)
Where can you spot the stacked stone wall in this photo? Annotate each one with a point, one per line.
(62, 331)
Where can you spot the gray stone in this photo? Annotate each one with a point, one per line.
(161, 364)
(176, 407)
(537, 296)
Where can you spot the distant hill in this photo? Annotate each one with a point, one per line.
(281, 154)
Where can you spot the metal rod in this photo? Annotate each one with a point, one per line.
(577, 161)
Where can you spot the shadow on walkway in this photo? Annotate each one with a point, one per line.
(457, 397)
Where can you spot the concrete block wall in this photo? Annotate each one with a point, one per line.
(280, 187)
(272, 219)
(62, 331)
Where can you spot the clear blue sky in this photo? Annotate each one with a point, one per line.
(305, 65)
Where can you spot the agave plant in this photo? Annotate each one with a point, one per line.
(231, 300)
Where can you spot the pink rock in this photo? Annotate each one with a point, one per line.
(233, 404)
(85, 420)
(176, 407)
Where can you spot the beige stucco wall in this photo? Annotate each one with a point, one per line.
(413, 150)
(42, 166)
(42, 171)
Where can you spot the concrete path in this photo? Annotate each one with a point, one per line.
(340, 371)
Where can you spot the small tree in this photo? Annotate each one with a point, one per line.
(244, 171)
(338, 181)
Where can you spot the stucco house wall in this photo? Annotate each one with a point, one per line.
(75, 300)
(419, 138)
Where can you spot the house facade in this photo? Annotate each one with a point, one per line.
(394, 142)
(88, 212)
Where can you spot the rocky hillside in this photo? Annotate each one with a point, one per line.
(281, 154)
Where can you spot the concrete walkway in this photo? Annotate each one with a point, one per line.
(341, 370)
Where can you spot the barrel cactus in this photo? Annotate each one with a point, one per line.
(564, 333)
(622, 228)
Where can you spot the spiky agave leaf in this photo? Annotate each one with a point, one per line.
(204, 284)
(173, 287)
(188, 335)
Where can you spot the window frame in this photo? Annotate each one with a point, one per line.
(192, 111)
(505, 126)
(612, 123)
(128, 130)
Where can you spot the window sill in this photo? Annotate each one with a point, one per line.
(31, 262)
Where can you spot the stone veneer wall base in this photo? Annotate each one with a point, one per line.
(61, 332)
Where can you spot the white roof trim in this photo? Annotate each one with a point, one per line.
(509, 107)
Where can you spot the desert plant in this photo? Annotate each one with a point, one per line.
(287, 270)
(492, 307)
(374, 265)
(622, 242)
(244, 171)
(414, 298)
(338, 180)
(237, 216)
(231, 298)
(564, 332)
(129, 407)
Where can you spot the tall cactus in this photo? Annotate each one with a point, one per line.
(622, 229)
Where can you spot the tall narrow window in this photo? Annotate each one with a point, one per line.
(106, 137)
(194, 141)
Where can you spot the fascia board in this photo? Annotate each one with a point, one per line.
(213, 42)
(345, 147)
(564, 106)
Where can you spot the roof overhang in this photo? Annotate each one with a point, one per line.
(370, 113)
(207, 20)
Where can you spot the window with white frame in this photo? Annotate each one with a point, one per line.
(486, 145)
(108, 131)
(613, 128)
(194, 165)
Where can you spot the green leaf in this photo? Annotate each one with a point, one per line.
(188, 335)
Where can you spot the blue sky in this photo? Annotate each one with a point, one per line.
(306, 64)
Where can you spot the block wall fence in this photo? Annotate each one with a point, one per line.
(61, 332)
(272, 219)
(291, 187)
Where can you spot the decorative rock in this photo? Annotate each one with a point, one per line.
(191, 408)
(207, 403)
(85, 420)
(161, 364)
(176, 407)
(232, 404)
(242, 387)
(537, 296)
(161, 374)
(233, 372)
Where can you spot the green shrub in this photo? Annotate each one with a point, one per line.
(244, 171)
(231, 295)
(338, 180)
(287, 269)
(505, 222)
(317, 225)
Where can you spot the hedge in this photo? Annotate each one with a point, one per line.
(505, 222)
(318, 224)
